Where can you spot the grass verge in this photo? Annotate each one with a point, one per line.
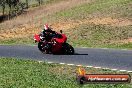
(18, 41)
(91, 35)
(20, 73)
(113, 8)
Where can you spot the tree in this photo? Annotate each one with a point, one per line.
(3, 3)
(27, 3)
(9, 2)
(40, 2)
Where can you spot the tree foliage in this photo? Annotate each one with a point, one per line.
(27, 3)
(10, 3)
(2, 3)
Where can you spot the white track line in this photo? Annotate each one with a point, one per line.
(49, 62)
(61, 63)
(106, 68)
(89, 66)
(78, 65)
(97, 67)
(70, 64)
(40, 61)
(122, 70)
(129, 71)
(114, 69)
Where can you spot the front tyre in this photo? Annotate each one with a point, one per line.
(43, 47)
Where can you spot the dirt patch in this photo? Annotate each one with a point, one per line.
(18, 33)
(64, 25)
(129, 40)
(40, 12)
(111, 21)
(24, 32)
(104, 21)
(30, 30)
(124, 41)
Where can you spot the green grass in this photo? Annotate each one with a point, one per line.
(119, 46)
(97, 8)
(115, 8)
(90, 35)
(20, 73)
(18, 41)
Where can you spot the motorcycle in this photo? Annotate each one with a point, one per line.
(56, 45)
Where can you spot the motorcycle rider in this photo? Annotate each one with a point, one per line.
(47, 32)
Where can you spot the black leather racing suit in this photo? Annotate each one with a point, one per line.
(48, 34)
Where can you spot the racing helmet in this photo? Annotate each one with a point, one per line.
(46, 26)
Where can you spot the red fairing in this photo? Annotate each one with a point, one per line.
(37, 38)
(62, 40)
(56, 48)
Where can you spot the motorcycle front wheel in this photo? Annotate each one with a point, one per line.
(43, 47)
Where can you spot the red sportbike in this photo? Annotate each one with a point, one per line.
(56, 45)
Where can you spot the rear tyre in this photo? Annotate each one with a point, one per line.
(43, 47)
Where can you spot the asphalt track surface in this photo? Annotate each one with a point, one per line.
(106, 58)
